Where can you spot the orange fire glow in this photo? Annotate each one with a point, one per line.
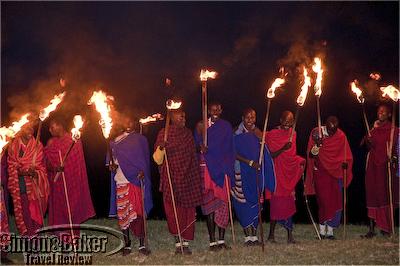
(6, 133)
(45, 112)
(276, 84)
(391, 91)
(304, 89)
(151, 118)
(357, 91)
(375, 76)
(100, 100)
(171, 105)
(205, 74)
(317, 68)
(78, 123)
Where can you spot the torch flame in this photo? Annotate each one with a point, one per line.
(150, 118)
(317, 68)
(391, 91)
(357, 91)
(78, 123)
(304, 89)
(375, 76)
(171, 105)
(45, 112)
(276, 84)
(100, 99)
(6, 133)
(205, 74)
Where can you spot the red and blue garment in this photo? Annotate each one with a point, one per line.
(217, 163)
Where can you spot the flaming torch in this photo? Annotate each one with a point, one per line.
(317, 68)
(44, 113)
(171, 105)
(301, 99)
(101, 101)
(149, 119)
(204, 76)
(7, 133)
(270, 94)
(394, 94)
(354, 88)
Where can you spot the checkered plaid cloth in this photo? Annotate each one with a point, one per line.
(183, 165)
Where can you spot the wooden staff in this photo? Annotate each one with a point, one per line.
(37, 142)
(389, 149)
(64, 159)
(258, 173)
(204, 109)
(319, 119)
(389, 166)
(344, 192)
(309, 210)
(294, 124)
(261, 156)
(230, 208)
(366, 120)
(167, 121)
(142, 187)
(140, 128)
(260, 160)
(68, 205)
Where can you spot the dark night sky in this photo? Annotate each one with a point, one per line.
(128, 48)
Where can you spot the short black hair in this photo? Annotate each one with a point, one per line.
(247, 110)
(59, 119)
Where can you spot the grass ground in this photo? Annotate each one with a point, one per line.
(307, 250)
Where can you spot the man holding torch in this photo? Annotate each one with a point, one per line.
(180, 179)
(131, 156)
(288, 168)
(80, 206)
(217, 166)
(27, 183)
(327, 173)
(376, 176)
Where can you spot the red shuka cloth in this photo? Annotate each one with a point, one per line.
(186, 219)
(184, 168)
(4, 229)
(334, 151)
(288, 171)
(287, 165)
(37, 192)
(76, 179)
(376, 176)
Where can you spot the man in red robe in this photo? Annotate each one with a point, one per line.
(180, 151)
(80, 202)
(288, 170)
(376, 176)
(329, 160)
(27, 181)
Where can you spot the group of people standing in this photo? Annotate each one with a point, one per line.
(221, 175)
(38, 182)
(226, 173)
